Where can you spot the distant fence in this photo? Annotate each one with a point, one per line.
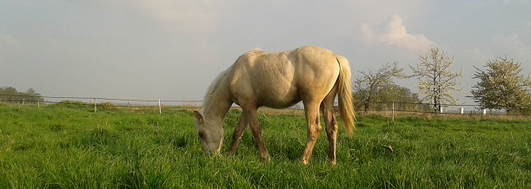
(425, 108)
(27, 99)
(97, 102)
(389, 108)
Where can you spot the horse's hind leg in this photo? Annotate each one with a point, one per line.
(313, 129)
(327, 107)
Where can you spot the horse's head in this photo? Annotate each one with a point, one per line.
(210, 133)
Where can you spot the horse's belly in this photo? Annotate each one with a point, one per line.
(282, 103)
(278, 98)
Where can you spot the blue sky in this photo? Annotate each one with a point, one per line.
(167, 49)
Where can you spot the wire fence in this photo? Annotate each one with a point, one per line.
(97, 103)
(28, 99)
(425, 108)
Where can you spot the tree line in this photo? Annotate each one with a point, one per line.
(501, 85)
(11, 95)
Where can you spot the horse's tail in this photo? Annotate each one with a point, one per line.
(344, 95)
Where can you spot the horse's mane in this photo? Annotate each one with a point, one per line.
(212, 88)
(217, 82)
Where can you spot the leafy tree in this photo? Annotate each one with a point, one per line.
(436, 82)
(502, 87)
(373, 83)
(10, 90)
(32, 92)
(404, 99)
(10, 94)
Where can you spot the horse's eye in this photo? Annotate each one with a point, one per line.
(200, 134)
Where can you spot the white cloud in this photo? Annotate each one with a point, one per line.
(510, 44)
(475, 55)
(9, 45)
(170, 10)
(500, 46)
(189, 16)
(393, 33)
(7, 40)
(367, 35)
(515, 1)
(514, 47)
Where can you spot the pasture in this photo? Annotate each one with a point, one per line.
(68, 146)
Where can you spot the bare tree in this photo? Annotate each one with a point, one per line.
(436, 82)
(370, 84)
(502, 87)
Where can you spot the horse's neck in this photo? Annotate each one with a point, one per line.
(217, 105)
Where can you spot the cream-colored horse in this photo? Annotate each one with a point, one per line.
(278, 80)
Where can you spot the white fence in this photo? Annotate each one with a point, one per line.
(386, 107)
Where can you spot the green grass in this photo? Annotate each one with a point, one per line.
(68, 146)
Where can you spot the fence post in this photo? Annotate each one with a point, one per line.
(484, 112)
(393, 112)
(441, 109)
(95, 109)
(38, 103)
(160, 108)
(462, 110)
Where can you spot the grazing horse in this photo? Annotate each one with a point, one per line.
(278, 80)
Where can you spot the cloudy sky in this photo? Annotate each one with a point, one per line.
(173, 49)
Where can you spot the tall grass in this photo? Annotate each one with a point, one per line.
(72, 147)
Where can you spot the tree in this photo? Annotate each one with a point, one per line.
(374, 83)
(436, 82)
(10, 94)
(502, 87)
(32, 92)
(10, 90)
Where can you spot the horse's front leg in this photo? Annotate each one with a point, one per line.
(238, 133)
(257, 133)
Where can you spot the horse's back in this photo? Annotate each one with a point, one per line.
(278, 79)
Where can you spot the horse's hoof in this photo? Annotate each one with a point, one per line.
(265, 159)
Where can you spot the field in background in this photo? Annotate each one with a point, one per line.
(70, 146)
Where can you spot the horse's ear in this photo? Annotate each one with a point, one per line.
(198, 116)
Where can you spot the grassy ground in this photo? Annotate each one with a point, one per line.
(68, 146)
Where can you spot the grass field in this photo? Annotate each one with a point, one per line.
(68, 146)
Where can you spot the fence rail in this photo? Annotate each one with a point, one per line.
(378, 107)
(425, 108)
(22, 99)
(98, 102)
